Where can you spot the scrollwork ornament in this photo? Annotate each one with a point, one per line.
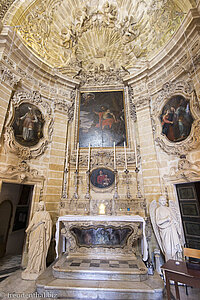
(29, 100)
(184, 171)
(103, 159)
(21, 172)
(170, 89)
(98, 75)
(9, 77)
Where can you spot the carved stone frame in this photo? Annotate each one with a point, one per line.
(169, 90)
(24, 174)
(11, 144)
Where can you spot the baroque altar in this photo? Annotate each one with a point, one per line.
(102, 235)
(100, 257)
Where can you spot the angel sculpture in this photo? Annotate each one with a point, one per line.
(167, 228)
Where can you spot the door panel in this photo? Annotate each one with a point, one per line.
(188, 196)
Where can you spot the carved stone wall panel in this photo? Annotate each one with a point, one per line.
(184, 171)
(21, 173)
(169, 90)
(11, 144)
(100, 158)
(8, 76)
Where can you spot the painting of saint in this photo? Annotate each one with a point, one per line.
(28, 125)
(102, 119)
(176, 119)
(102, 178)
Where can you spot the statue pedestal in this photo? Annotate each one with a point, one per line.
(30, 276)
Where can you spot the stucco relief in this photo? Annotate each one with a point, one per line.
(184, 171)
(103, 158)
(183, 145)
(21, 173)
(4, 6)
(9, 77)
(26, 143)
(125, 29)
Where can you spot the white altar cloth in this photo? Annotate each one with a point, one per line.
(99, 218)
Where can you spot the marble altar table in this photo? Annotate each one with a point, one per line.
(73, 235)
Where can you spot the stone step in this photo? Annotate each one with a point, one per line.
(100, 269)
(47, 284)
(113, 274)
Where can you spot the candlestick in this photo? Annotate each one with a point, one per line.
(89, 158)
(125, 155)
(136, 161)
(114, 157)
(66, 159)
(77, 156)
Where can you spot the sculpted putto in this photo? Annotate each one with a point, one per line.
(166, 223)
(39, 237)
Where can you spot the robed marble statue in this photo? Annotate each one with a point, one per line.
(39, 236)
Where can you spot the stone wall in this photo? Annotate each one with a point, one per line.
(173, 71)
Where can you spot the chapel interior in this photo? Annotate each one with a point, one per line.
(99, 118)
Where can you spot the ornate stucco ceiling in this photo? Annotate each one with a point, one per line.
(74, 35)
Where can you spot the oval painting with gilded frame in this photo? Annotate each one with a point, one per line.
(28, 124)
(102, 178)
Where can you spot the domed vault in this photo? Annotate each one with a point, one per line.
(75, 35)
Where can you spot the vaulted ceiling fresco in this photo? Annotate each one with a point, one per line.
(76, 35)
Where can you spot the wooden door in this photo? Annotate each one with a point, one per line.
(188, 196)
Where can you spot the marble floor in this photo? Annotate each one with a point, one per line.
(9, 264)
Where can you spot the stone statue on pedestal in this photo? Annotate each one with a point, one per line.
(166, 223)
(39, 236)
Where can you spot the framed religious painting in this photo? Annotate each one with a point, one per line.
(28, 124)
(102, 178)
(102, 119)
(176, 119)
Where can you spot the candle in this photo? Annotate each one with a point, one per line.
(125, 155)
(114, 158)
(77, 156)
(66, 159)
(89, 158)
